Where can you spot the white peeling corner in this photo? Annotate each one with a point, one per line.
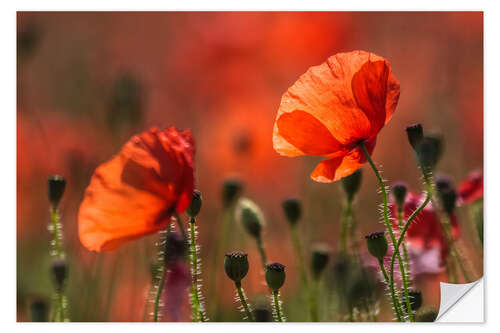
(462, 303)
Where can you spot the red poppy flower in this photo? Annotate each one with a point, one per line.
(471, 189)
(136, 192)
(334, 106)
(425, 231)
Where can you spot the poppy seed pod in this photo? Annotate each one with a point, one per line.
(429, 151)
(319, 259)
(275, 275)
(262, 314)
(250, 215)
(352, 183)
(399, 191)
(195, 206)
(415, 135)
(443, 182)
(59, 270)
(448, 200)
(39, 311)
(175, 247)
(377, 244)
(56, 186)
(231, 189)
(415, 297)
(427, 314)
(236, 265)
(293, 210)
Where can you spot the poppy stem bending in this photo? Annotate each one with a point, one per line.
(397, 306)
(242, 297)
(277, 306)
(400, 240)
(196, 303)
(406, 258)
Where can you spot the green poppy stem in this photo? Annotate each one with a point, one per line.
(277, 306)
(242, 297)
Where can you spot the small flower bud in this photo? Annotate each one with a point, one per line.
(415, 134)
(236, 265)
(56, 186)
(319, 259)
(293, 210)
(429, 151)
(443, 182)
(231, 189)
(59, 273)
(399, 191)
(175, 247)
(352, 183)
(427, 314)
(415, 297)
(39, 311)
(448, 200)
(377, 244)
(275, 275)
(250, 215)
(195, 206)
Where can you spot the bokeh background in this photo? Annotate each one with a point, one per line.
(87, 81)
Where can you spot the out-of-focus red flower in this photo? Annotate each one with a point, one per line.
(425, 231)
(332, 108)
(135, 193)
(175, 294)
(471, 189)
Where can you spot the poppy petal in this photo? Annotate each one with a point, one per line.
(333, 169)
(376, 92)
(308, 134)
(135, 193)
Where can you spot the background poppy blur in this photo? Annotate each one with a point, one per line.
(87, 81)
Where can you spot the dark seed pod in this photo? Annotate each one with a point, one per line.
(39, 311)
(236, 265)
(319, 260)
(429, 151)
(293, 210)
(377, 244)
(195, 206)
(399, 191)
(231, 190)
(250, 215)
(56, 186)
(415, 134)
(352, 183)
(59, 270)
(275, 275)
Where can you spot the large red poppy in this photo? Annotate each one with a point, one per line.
(136, 192)
(332, 108)
(425, 231)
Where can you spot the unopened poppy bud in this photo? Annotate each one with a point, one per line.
(231, 189)
(399, 191)
(352, 183)
(59, 273)
(429, 151)
(448, 200)
(415, 134)
(293, 210)
(195, 206)
(415, 297)
(377, 244)
(56, 186)
(275, 275)
(236, 265)
(39, 311)
(250, 215)
(319, 259)
(427, 314)
(175, 247)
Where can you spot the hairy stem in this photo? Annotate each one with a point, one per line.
(394, 297)
(277, 306)
(242, 297)
(197, 306)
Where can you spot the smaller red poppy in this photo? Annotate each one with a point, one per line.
(136, 192)
(471, 189)
(425, 231)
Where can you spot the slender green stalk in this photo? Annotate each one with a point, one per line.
(394, 297)
(346, 219)
(57, 252)
(277, 306)
(406, 258)
(242, 297)
(197, 305)
(162, 271)
(388, 226)
(262, 252)
(302, 271)
(313, 300)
